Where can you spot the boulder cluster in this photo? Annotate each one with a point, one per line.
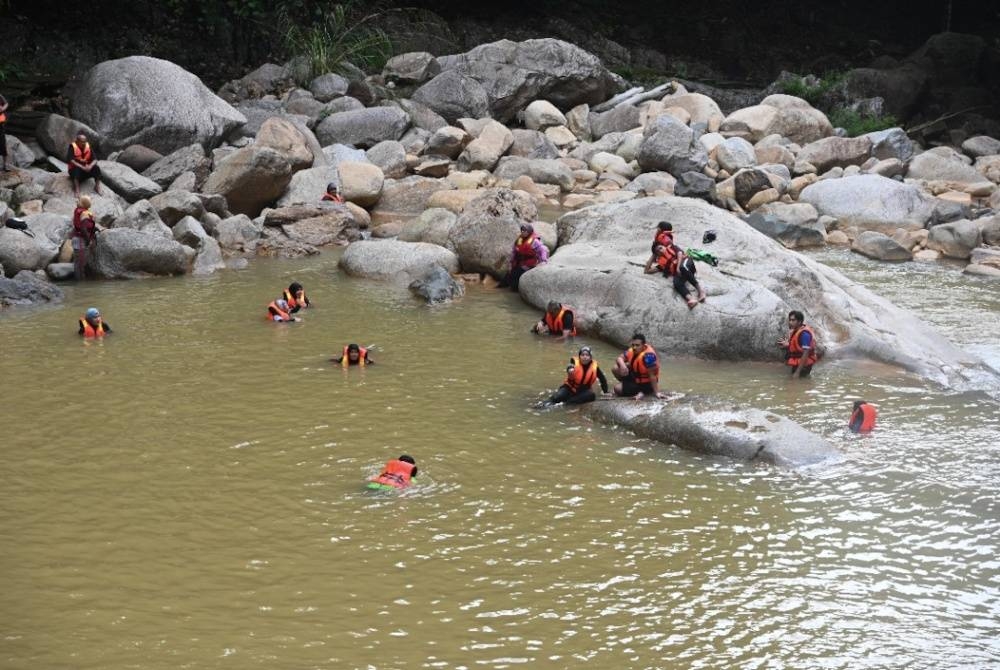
(449, 155)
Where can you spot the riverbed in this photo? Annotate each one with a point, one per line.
(188, 493)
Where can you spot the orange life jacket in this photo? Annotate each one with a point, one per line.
(285, 316)
(580, 377)
(669, 259)
(396, 473)
(664, 237)
(293, 302)
(524, 251)
(328, 197)
(555, 323)
(641, 374)
(90, 331)
(84, 155)
(863, 419)
(3, 117)
(795, 348)
(362, 355)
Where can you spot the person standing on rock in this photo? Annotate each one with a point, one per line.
(581, 374)
(528, 252)
(82, 164)
(83, 236)
(800, 345)
(558, 321)
(638, 369)
(3, 131)
(333, 194)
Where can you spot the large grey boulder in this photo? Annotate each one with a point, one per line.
(981, 145)
(411, 68)
(360, 183)
(390, 157)
(486, 229)
(27, 288)
(598, 269)
(514, 74)
(238, 233)
(956, 239)
(123, 253)
(186, 159)
(483, 152)
(189, 232)
(891, 143)
(208, 258)
(363, 128)
(421, 116)
(394, 260)
(718, 427)
(55, 133)
(19, 251)
(448, 141)
(138, 157)
(791, 235)
(870, 202)
(667, 146)
(172, 206)
(250, 179)
(432, 226)
(437, 286)
(288, 140)
(653, 183)
(832, 152)
(308, 186)
(618, 120)
(50, 230)
(328, 86)
(153, 102)
(933, 166)
(542, 114)
(734, 154)
(126, 182)
(454, 96)
(540, 170)
(779, 114)
(532, 144)
(18, 153)
(881, 247)
(138, 215)
(406, 198)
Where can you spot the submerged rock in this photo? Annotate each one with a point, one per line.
(437, 285)
(711, 426)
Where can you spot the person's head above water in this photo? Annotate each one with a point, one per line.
(407, 459)
(332, 187)
(294, 287)
(93, 313)
(585, 354)
(553, 307)
(353, 352)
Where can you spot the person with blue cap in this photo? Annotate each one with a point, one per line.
(92, 325)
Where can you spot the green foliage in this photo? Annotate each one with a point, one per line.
(856, 123)
(813, 93)
(343, 33)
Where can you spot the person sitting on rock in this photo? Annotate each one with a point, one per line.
(278, 312)
(353, 355)
(558, 321)
(296, 298)
(664, 235)
(3, 130)
(638, 369)
(397, 474)
(83, 235)
(674, 263)
(528, 252)
(333, 194)
(82, 164)
(581, 373)
(92, 325)
(800, 345)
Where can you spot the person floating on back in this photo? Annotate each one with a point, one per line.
(82, 164)
(353, 355)
(558, 321)
(397, 474)
(92, 325)
(638, 369)
(296, 298)
(674, 263)
(862, 418)
(581, 374)
(800, 345)
(333, 194)
(279, 312)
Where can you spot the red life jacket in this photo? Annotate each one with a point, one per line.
(580, 377)
(362, 356)
(863, 419)
(90, 331)
(525, 255)
(669, 260)
(664, 237)
(285, 316)
(84, 155)
(555, 323)
(641, 374)
(795, 348)
(396, 474)
(3, 117)
(293, 302)
(329, 197)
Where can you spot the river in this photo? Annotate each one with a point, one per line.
(189, 493)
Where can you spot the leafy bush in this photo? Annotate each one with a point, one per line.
(813, 93)
(341, 34)
(856, 123)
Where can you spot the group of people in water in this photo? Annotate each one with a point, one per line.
(636, 369)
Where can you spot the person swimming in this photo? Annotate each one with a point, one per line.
(397, 474)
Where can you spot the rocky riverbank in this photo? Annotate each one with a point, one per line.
(449, 155)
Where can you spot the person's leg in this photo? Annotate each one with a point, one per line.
(680, 285)
(95, 172)
(75, 178)
(584, 396)
(79, 258)
(515, 277)
(561, 395)
(627, 388)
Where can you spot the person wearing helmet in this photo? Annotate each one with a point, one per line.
(279, 312)
(333, 194)
(92, 325)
